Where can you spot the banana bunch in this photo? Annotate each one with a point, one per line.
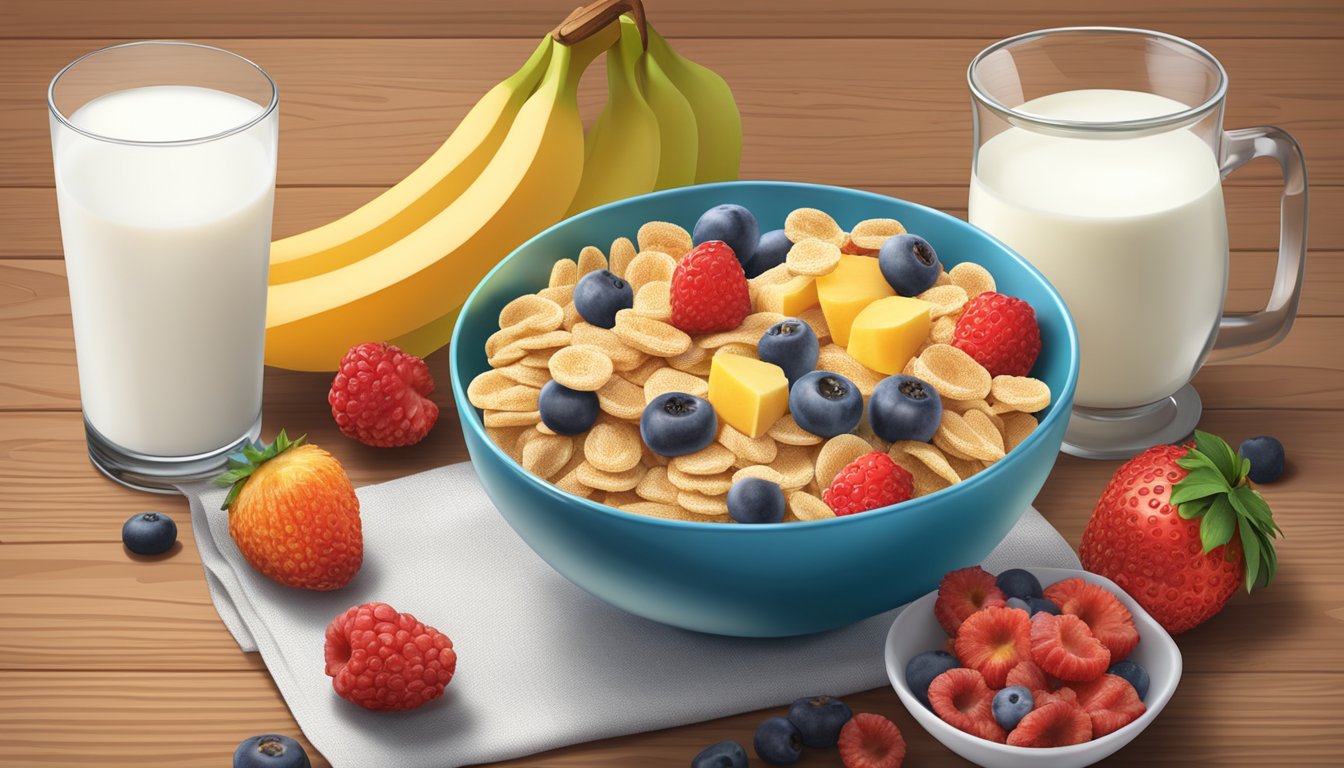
(399, 267)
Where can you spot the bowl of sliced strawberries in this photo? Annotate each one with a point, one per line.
(1032, 667)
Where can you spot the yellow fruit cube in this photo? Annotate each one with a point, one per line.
(748, 394)
(851, 286)
(798, 294)
(888, 332)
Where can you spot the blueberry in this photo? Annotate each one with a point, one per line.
(1016, 582)
(149, 533)
(734, 225)
(770, 252)
(778, 742)
(1010, 705)
(1038, 604)
(567, 411)
(792, 345)
(725, 754)
(1136, 675)
(909, 264)
(920, 671)
(825, 403)
(270, 751)
(1020, 604)
(676, 424)
(753, 500)
(1266, 456)
(905, 408)
(819, 719)
(600, 295)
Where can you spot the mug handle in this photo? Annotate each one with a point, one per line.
(1245, 334)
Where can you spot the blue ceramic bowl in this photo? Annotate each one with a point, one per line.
(765, 580)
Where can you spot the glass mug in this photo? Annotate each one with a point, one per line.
(1099, 157)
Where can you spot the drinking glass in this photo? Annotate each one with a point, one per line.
(1099, 157)
(164, 156)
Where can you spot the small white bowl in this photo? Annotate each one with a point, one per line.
(916, 630)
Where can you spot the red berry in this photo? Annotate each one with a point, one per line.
(993, 641)
(709, 290)
(963, 700)
(871, 741)
(1111, 702)
(1107, 618)
(962, 593)
(1029, 675)
(1063, 693)
(1000, 332)
(873, 480)
(380, 396)
(1063, 646)
(1056, 724)
(387, 661)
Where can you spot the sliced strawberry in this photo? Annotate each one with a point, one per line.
(1056, 724)
(871, 741)
(994, 641)
(962, 593)
(1063, 693)
(1111, 703)
(1063, 646)
(1107, 617)
(961, 698)
(1029, 675)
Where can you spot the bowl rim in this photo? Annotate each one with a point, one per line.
(471, 418)
(1160, 692)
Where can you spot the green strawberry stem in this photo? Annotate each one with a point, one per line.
(1217, 493)
(249, 460)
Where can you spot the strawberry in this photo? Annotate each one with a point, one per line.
(1179, 528)
(963, 700)
(871, 741)
(1064, 647)
(1029, 675)
(293, 514)
(1056, 724)
(709, 290)
(873, 480)
(380, 396)
(1110, 702)
(962, 593)
(993, 641)
(1000, 332)
(1107, 618)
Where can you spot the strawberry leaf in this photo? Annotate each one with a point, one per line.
(243, 464)
(1250, 549)
(1193, 509)
(1220, 453)
(1218, 524)
(1189, 492)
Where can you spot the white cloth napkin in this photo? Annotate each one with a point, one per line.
(542, 664)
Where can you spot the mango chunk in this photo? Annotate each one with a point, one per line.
(887, 333)
(853, 285)
(748, 394)
(798, 294)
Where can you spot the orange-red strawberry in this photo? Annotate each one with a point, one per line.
(294, 515)
(963, 700)
(962, 593)
(1029, 675)
(1064, 647)
(1111, 703)
(1057, 724)
(993, 641)
(1107, 618)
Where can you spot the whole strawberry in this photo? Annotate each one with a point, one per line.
(873, 480)
(294, 515)
(1179, 528)
(1000, 332)
(387, 661)
(380, 396)
(709, 290)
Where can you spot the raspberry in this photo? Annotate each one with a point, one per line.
(1063, 646)
(961, 698)
(962, 593)
(870, 481)
(1054, 724)
(709, 290)
(993, 641)
(871, 741)
(1111, 702)
(1000, 332)
(1107, 618)
(387, 661)
(380, 396)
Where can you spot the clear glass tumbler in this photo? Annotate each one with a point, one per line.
(1099, 156)
(164, 156)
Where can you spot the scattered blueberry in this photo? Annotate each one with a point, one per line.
(149, 533)
(600, 295)
(676, 424)
(1010, 705)
(778, 741)
(753, 500)
(567, 411)
(734, 225)
(270, 751)
(909, 263)
(825, 403)
(920, 671)
(792, 345)
(1136, 675)
(725, 754)
(905, 408)
(770, 252)
(1038, 604)
(1266, 456)
(1016, 582)
(1020, 604)
(819, 719)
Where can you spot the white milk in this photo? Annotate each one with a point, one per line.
(166, 249)
(1131, 231)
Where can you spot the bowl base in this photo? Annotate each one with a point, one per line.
(1097, 433)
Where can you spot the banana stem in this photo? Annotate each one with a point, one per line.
(586, 20)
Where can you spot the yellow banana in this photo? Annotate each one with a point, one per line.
(421, 278)
(717, 120)
(417, 198)
(677, 132)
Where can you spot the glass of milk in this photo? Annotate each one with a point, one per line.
(1099, 157)
(165, 175)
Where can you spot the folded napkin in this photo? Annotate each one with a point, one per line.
(541, 663)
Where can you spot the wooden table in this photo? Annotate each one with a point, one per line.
(106, 659)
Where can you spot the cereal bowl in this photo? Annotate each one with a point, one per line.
(765, 580)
